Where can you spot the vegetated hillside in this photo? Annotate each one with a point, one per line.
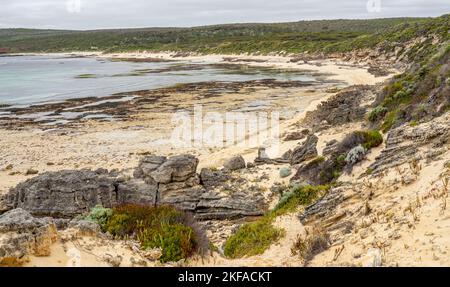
(418, 95)
(422, 92)
(295, 37)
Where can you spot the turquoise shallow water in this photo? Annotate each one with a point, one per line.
(35, 79)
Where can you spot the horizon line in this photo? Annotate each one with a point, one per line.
(220, 24)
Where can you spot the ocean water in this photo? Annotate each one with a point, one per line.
(26, 80)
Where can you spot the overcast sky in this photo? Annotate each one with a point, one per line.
(94, 14)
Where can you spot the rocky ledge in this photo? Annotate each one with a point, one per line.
(22, 235)
(157, 180)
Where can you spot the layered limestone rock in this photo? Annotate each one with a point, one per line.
(406, 143)
(344, 107)
(65, 193)
(306, 151)
(22, 235)
(157, 181)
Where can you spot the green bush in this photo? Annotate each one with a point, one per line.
(297, 196)
(389, 121)
(372, 139)
(377, 113)
(176, 241)
(99, 215)
(155, 227)
(252, 239)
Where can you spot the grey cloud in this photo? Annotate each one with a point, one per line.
(96, 14)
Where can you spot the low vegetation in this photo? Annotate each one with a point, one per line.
(161, 227)
(252, 239)
(331, 169)
(324, 36)
(256, 237)
(316, 240)
(99, 215)
(417, 95)
(298, 195)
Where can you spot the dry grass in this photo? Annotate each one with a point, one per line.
(316, 241)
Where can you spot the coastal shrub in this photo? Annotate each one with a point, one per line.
(255, 237)
(175, 240)
(355, 155)
(99, 215)
(252, 239)
(298, 196)
(332, 168)
(372, 139)
(389, 121)
(155, 227)
(377, 114)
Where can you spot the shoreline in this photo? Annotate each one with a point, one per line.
(325, 65)
(139, 125)
(326, 70)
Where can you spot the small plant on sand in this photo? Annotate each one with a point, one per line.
(252, 239)
(415, 167)
(315, 241)
(155, 227)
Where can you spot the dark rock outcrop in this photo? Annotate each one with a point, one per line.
(344, 107)
(297, 135)
(64, 194)
(263, 158)
(235, 163)
(157, 181)
(213, 178)
(305, 151)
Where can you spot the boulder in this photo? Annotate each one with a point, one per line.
(64, 194)
(148, 164)
(297, 135)
(165, 170)
(137, 191)
(235, 163)
(305, 151)
(22, 235)
(176, 169)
